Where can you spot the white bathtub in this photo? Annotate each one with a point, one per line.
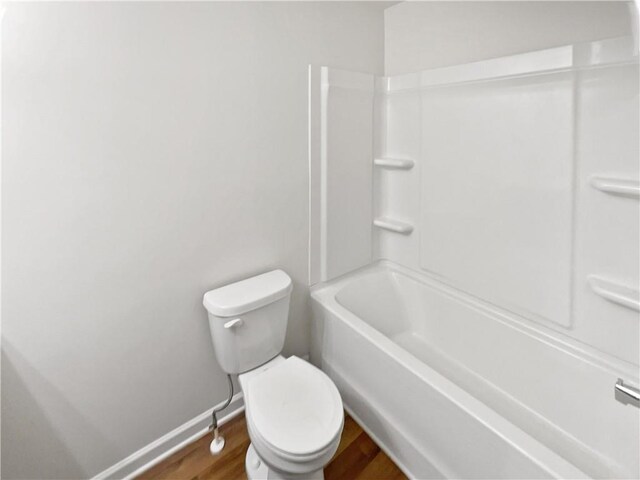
(455, 388)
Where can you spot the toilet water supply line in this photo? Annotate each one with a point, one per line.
(218, 441)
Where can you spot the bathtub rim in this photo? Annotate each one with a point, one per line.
(552, 337)
(531, 448)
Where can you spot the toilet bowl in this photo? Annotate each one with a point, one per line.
(294, 417)
(293, 410)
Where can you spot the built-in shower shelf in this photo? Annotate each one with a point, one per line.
(617, 186)
(393, 225)
(396, 163)
(614, 292)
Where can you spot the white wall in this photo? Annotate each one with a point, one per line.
(151, 151)
(422, 35)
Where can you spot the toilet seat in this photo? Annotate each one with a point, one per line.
(294, 414)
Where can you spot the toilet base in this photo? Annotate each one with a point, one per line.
(258, 470)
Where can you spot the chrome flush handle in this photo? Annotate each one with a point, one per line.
(627, 394)
(233, 323)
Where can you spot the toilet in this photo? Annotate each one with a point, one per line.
(293, 410)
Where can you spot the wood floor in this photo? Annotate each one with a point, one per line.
(358, 457)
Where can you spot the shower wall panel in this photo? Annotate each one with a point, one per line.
(524, 189)
(341, 110)
(497, 191)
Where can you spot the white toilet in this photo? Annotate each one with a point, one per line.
(293, 410)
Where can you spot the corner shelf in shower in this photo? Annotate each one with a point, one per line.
(393, 225)
(395, 163)
(617, 186)
(614, 292)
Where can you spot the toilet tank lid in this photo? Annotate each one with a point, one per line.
(246, 295)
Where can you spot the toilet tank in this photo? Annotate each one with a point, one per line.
(248, 320)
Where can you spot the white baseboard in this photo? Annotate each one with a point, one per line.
(168, 444)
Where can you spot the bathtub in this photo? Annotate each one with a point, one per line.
(452, 387)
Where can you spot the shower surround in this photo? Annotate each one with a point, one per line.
(475, 262)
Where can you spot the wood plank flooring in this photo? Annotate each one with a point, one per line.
(357, 458)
